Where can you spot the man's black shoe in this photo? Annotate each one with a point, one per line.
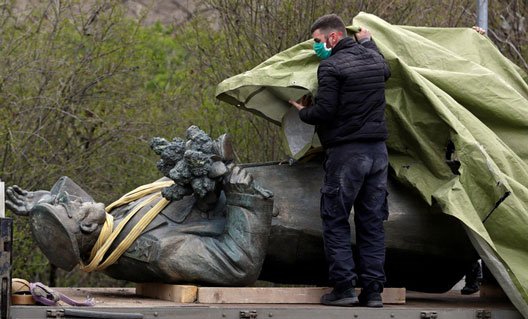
(346, 298)
(370, 296)
(470, 289)
(473, 279)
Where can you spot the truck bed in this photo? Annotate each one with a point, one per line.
(124, 303)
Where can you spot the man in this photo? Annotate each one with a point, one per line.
(349, 116)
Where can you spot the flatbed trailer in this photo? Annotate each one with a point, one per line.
(125, 303)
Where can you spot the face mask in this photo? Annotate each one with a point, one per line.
(321, 50)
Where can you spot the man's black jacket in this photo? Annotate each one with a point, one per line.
(350, 101)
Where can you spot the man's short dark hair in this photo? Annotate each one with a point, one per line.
(328, 23)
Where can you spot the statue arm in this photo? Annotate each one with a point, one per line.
(235, 257)
(21, 201)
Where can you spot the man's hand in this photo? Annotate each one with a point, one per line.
(305, 101)
(20, 201)
(363, 35)
(479, 30)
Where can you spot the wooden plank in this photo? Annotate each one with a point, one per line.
(302, 295)
(175, 293)
(394, 296)
(310, 295)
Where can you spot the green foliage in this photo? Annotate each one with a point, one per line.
(83, 88)
(249, 32)
(507, 28)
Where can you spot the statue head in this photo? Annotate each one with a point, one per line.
(67, 228)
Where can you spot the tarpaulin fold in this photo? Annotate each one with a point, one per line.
(448, 85)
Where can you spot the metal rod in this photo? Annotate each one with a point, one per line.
(77, 313)
(482, 14)
(2, 199)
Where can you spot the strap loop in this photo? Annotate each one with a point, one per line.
(108, 234)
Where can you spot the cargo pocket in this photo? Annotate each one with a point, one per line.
(385, 206)
(329, 199)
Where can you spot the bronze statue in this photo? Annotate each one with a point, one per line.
(218, 237)
(221, 231)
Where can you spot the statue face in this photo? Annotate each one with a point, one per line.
(64, 231)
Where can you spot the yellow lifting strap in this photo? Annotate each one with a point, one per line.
(108, 234)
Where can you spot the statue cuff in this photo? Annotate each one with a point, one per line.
(251, 202)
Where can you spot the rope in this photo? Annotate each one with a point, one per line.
(139, 192)
(108, 234)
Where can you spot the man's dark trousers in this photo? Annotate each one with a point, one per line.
(355, 176)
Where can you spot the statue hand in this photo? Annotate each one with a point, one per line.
(240, 181)
(21, 202)
(208, 202)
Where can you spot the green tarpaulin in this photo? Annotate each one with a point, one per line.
(446, 85)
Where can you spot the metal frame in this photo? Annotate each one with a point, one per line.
(6, 240)
(195, 311)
